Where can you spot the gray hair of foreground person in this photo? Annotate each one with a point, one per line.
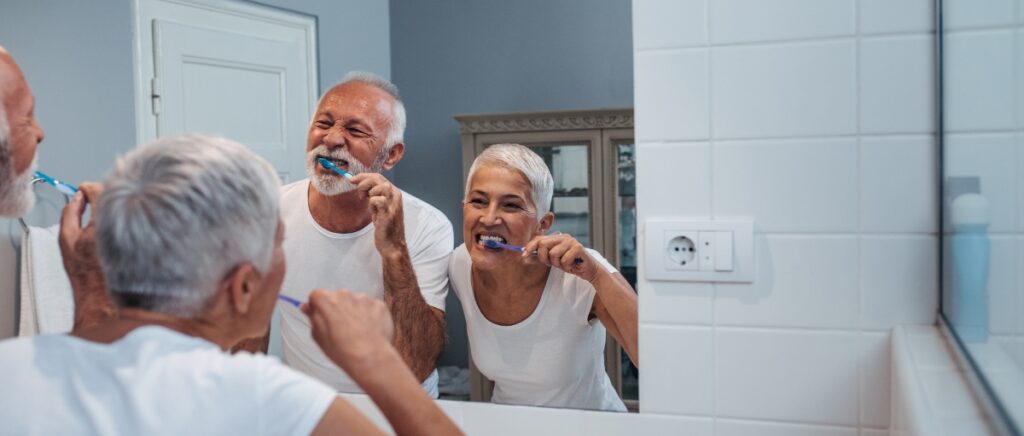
(178, 215)
(522, 159)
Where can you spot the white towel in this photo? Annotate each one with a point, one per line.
(47, 304)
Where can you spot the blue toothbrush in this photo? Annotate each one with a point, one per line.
(490, 243)
(64, 188)
(331, 166)
(289, 300)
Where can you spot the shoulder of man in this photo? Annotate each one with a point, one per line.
(428, 216)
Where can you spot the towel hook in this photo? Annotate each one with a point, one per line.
(35, 180)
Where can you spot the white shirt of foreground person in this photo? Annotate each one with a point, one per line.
(318, 258)
(152, 381)
(555, 357)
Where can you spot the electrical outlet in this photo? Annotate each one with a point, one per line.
(698, 250)
(681, 251)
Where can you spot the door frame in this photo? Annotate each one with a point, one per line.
(144, 11)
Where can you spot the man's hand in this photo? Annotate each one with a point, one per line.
(350, 328)
(386, 211)
(81, 260)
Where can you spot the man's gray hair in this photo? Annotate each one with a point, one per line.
(180, 214)
(397, 131)
(529, 164)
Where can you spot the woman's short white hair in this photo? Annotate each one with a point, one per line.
(528, 163)
(397, 131)
(178, 215)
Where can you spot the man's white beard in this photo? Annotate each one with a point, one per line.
(332, 184)
(16, 196)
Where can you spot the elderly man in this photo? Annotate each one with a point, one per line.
(19, 135)
(189, 233)
(364, 234)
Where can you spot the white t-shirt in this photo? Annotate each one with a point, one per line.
(318, 258)
(152, 381)
(555, 357)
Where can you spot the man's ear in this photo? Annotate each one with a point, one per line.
(394, 155)
(546, 222)
(241, 285)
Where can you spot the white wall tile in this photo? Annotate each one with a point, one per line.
(804, 89)
(788, 185)
(675, 302)
(1020, 176)
(734, 427)
(875, 380)
(928, 349)
(1019, 71)
(897, 184)
(801, 281)
(887, 16)
(961, 14)
(978, 74)
(948, 394)
(802, 376)
(1020, 295)
(896, 85)
(1004, 312)
(673, 180)
(669, 23)
(992, 158)
(735, 21)
(899, 281)
(678, 370)
(497, 420)
(616, 424)
(671, 95)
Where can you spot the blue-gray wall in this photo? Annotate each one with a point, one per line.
(471, 56)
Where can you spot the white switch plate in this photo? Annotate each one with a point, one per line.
(714, 258)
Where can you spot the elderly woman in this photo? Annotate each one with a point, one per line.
(189, 236)
(536, 319)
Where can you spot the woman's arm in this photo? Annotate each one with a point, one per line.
(615, 302)
(615, 306)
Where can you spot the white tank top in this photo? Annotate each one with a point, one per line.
(555, 357)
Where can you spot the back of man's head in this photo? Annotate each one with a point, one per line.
(178, 215)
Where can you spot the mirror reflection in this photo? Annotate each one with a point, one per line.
(376, 197)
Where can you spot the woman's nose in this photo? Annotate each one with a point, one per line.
(491, 217)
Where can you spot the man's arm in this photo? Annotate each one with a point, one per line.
(81, 261)
(353, 330)
(419, 328)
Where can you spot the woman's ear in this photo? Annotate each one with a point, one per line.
(546, 222)
(241, 284)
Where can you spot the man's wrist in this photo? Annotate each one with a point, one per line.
(393, 251)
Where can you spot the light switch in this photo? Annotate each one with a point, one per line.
(723, 251)
(706, 250)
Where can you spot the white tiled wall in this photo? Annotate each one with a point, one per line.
(814, 118)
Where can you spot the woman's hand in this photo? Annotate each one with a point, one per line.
(564, 252)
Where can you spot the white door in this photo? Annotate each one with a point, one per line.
(238, 70)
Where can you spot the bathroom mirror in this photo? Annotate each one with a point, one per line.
(982, 137)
